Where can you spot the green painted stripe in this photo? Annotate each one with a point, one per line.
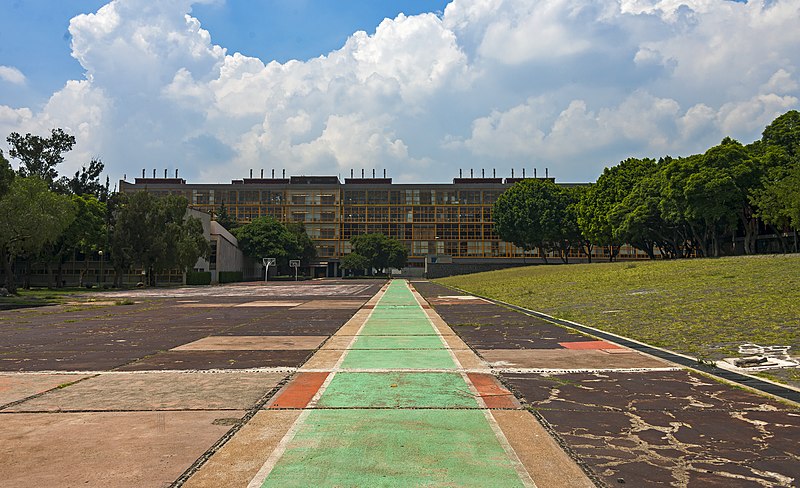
(394, 448)
(398, 342)
(384, 446)
(401, 390)
(398, 359)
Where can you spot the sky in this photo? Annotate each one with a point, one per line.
(421, 89)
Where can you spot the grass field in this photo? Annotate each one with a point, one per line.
(38, 297)
(702, 307)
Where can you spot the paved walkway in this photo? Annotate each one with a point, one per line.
(395, 398)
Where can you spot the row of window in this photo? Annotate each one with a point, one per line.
(349, 197)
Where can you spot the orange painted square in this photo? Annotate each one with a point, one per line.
(299, 391)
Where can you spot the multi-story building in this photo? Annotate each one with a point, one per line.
(452, 220)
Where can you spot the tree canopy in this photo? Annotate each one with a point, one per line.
(30, 217)
(378, 251)
(266, 237)
(704, 204)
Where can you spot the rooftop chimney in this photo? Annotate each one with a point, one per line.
(470, 173)
(251, 174)
(143, 172)
(546, 175)
(512, 172)
(176, 173)
(165, 173)
(373, 172)
(154, 172)
(273, 173)
(262, 173)
(384, 172)
(362, 173)
(523, 172)
(459, 172)
(534, 172)
(283, 174)
(483, 173)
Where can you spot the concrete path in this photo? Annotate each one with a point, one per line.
(395, 399)
(629, 418)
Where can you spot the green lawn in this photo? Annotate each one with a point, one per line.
(37, 297)
(702, 307)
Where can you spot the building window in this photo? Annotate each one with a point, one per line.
(212, 259)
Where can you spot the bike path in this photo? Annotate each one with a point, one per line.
(397, 410)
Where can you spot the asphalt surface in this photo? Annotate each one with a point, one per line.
(232, 385)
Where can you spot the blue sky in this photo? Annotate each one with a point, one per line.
(217, 87)
(34, 34)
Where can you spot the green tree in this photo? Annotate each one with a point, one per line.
(156, 234)
(87, 181)
(381, 252)
(30, 217)
(303, 248)
(598, 203)
(777, 200)
(266, 237)
(534, 214)
(39, 156)
(85, 235)
(784, 132)
(6, 174)
(224, 218)
(354, 262)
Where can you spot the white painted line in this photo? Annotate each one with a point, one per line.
(155, 371)
(520, 469)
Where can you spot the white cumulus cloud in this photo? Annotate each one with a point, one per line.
(12, 75)
(571, 85)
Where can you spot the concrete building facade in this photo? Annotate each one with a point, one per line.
(451, 219)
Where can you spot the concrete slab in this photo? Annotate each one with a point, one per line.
(120, 449)
(332, 305)
(238, 461)
(263, 303)
(323, 359)
(568, 359)
(158, 391)
(198, 360)
(588, 345)
(338, 341)
(494, 333)
(469, 359)
(16, 386)
(545, 461)
(253, 343)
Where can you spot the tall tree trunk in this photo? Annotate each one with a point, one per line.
(26, 277)
(8, 269)
(781, 239)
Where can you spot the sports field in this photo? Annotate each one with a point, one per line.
(705, 308)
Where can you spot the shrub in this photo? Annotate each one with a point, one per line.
(198, 278)
(230, 276)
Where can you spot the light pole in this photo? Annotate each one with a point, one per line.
(102, 276)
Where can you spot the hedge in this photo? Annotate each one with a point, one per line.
(198, 278)
(230, 276)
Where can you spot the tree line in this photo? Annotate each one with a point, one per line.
(48, 220)
(673, 207)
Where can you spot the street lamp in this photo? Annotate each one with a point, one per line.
(102, 276)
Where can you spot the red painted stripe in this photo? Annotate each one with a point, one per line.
(299, 391)
(494, 395)
(590, 345)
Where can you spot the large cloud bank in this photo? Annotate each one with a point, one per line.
(572, 85)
